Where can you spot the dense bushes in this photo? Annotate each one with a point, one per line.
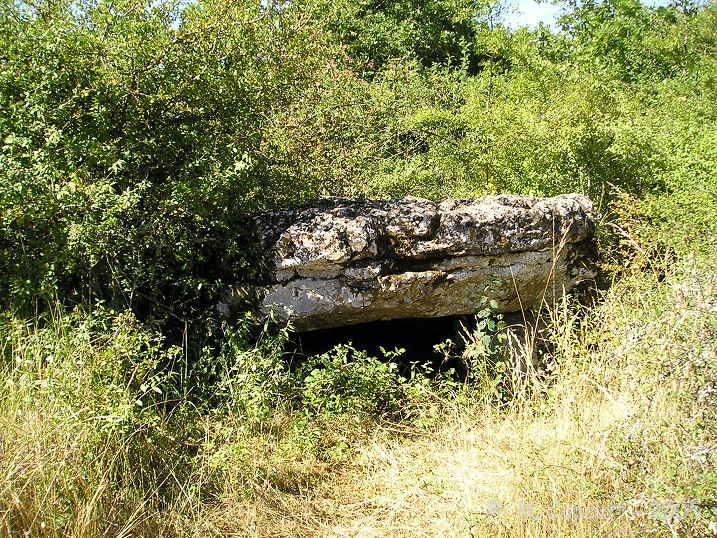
(135, 135)
(433, 32)
(133, 138)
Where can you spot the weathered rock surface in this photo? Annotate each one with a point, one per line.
(342, 262)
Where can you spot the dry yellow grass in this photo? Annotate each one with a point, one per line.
(519, 474)
(605, 453)
(615, 445)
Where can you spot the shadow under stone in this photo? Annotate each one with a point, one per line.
(417, 336)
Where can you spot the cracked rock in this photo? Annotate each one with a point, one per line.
(341, 262)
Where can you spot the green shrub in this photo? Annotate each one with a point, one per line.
(348, 381)
(133, 141)
(103, 365)
(249, 375)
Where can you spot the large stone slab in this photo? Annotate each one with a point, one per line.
(342, 262)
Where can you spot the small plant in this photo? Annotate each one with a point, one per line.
(249, 374)
(348, 381)
(488, 366)
(495, 361)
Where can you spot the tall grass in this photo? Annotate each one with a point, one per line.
(622, 444)
(79, 418)
(617, 438)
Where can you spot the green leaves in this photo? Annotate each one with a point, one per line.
(347, 381)
(134, 136)
(134, 133)
(630, 40)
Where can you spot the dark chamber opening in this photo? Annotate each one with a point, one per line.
(418, 336)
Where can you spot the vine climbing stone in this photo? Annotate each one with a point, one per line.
(340, 261)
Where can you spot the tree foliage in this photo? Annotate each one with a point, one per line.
(631, 41)
(430, 31)
(136, 135)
